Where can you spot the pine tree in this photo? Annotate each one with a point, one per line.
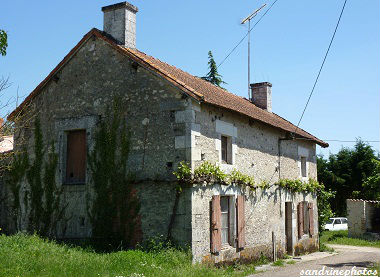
(213, 76)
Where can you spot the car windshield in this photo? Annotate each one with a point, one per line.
(330, 221)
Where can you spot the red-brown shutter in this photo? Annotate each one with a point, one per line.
(300, 219)
(240, 215)
(216, 234)
(76, 156)
(311, 218)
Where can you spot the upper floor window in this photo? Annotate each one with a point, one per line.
(76, 157)
(226, 149)
(303, 167)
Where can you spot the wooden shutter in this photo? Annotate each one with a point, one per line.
(216, 236)
(76, 157)
(240, 221)
(300, 219)
(311, 219)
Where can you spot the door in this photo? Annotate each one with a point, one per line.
(288, 228)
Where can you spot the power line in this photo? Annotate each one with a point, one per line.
(320, 69)
(337, 140)
(236, 46)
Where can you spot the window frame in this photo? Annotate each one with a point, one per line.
(226, 142)
(232, 224)
(66, 180)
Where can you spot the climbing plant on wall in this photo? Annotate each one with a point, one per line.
(32, 183)
(113, 204)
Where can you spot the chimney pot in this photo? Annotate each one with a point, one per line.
(120, 23)
(262, 95)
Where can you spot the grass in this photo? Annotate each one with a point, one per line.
(23, 255)
(291, 262)
(278, 263)
(341, 237)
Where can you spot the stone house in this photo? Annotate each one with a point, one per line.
(176, 117)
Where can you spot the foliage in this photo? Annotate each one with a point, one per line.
(324, 208)
(113, 207)
(41, 196)
(183, 172)
(213, 76)
(3, 42)
(297, 185)
(351, 173)
(209, 173)
(238, 178)
(23, 255)
(341, 237)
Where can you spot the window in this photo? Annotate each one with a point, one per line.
(225, 219)
(337, 221)
(226, 149)
(344, 221)
(76, 157)
(303, 167)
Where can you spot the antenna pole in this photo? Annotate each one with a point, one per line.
(248, 18)
(249, 58)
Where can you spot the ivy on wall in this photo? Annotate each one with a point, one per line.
(113, 205)
(36, 198)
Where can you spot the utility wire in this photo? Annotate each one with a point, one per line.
(320, 69)
(236, 46)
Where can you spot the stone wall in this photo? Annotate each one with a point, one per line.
(264, 214)
(77, 97)
(360, 216)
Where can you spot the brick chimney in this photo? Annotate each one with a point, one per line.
(262, 95)
(120, 23)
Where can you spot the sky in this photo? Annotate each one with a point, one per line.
(287, 49)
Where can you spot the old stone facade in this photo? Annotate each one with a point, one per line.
(169, 123)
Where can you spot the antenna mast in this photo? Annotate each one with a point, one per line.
(248, 18)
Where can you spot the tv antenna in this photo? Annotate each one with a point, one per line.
(248, 18)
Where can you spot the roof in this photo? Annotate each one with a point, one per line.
(201, 90)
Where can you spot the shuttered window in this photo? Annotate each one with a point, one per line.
(303, 167)
(306, 221)
(76, 157)
(224, 149)
(311, 219)
(300, 219)
(216, 243)
(240, 210)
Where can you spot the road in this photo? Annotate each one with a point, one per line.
(346, 259)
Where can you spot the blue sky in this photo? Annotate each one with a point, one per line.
(288, 46)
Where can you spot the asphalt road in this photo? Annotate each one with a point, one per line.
(346, 259)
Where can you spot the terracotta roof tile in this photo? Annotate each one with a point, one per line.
(196, 87)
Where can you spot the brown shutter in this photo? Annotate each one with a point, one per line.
(216, 236)
(240, 221)
(300, 219)
(76, 156)
(311, 218)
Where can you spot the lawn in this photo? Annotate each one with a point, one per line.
(23, 255)
(341, 237)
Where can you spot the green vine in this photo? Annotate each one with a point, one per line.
(41, 199)
(114, 207)
(210, 173)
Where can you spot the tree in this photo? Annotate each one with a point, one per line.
(3, 42)
(213, 76)
(352, 173)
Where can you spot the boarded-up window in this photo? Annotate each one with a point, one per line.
(76, 157)
(303, 167)
(240, 221)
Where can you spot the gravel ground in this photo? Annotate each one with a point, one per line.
(345, 259)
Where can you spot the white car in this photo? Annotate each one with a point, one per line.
(336, 224)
